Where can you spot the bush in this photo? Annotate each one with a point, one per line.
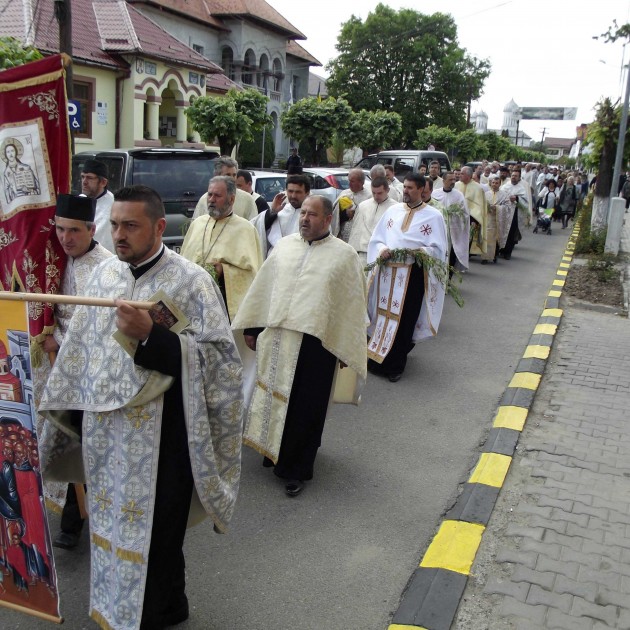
(604, 267)
(589, 242)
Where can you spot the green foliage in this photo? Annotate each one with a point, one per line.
(602, 137)
(499, 147)
(469, 146)
(371, 131)
(230, 119)
(410, 63)
(604, 267)
(589, 242)
(314, 123)
(249, 151)
(442, 138)
(12, 53)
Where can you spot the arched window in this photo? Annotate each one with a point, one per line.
(263, 68)
(249, 67)
(227, 62)
(277, 75)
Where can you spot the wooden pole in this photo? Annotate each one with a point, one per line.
(51, 298)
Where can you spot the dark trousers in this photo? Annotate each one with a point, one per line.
(396, 359)
(71, 521)
(164, 591)
(513, 236)
(306, 413)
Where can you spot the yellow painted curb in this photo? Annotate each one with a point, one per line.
(558, 283)
(567, 259)
(552, 312)
(398, 626)
(545, 329)
(509, 417)
(564, 265)
(561, 272)
(454, 547)
(526, 380)
(491, 469)
(537, 352)
(555, 293)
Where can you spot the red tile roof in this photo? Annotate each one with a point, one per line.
(220, 83)
(211, 12)
(103, 30)
(294, 49)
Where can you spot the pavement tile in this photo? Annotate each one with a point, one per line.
(547, 549)
(603, 578)
(525, 558)
(499, 586)
(607, 597)
(544, 579)
(569, 569)
(574, 542)
(538, 595)
(578, 519)
(562, 621)
(511, 607)
(526, 532)
(585, 590)
(582, 608)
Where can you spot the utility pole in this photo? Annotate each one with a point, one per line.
(542, 140)
(63, 13)
(614, 189)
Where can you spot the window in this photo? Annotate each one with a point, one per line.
(197, 48)
(83, 89)
(227, 62)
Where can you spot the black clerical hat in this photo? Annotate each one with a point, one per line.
(75, 207)
(95, 167)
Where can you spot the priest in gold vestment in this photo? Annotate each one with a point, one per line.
(304, 314)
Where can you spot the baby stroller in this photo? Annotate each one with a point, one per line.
(544, 221)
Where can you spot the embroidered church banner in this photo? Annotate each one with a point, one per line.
(34, 169)
(28, 581)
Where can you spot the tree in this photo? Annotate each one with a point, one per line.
(498, 146)
(230, 119)
(442, 138)
(249, 151)
(469, 146)
(314, 123)
(409, 63)
(12, 53)
(371, 131)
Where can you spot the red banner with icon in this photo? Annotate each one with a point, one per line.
(34, 169)
(28, 580)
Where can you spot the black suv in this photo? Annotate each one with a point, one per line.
(180, 176)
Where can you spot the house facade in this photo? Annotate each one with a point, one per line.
(137, 65)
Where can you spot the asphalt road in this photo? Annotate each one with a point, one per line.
(339, 555)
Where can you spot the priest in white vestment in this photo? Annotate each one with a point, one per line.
(162, 417)
(244, 204)
(305, 316)
(283, 217)
(455, 212)
(75, 229)
(520, 211)
(94, 180)
(395, 185)
(405, 300)
(498, 225)
(368, 215)
(227, 246)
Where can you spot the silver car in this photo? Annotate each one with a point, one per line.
(268, 183)
(329, 182)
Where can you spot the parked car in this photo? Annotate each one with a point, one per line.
(367, 162)
(180, 176)
(409, 160)
(268, 183)
(329, 182)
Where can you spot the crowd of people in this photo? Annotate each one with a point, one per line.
(271, 312)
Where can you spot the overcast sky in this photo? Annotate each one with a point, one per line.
(542, 53)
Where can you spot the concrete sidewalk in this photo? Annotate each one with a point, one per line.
(556, 551)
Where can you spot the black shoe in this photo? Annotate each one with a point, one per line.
(507, 256)
(294, 487)
(172, 618)
(66, 540)
(394, 378)
(268, 463)
(535, 230)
